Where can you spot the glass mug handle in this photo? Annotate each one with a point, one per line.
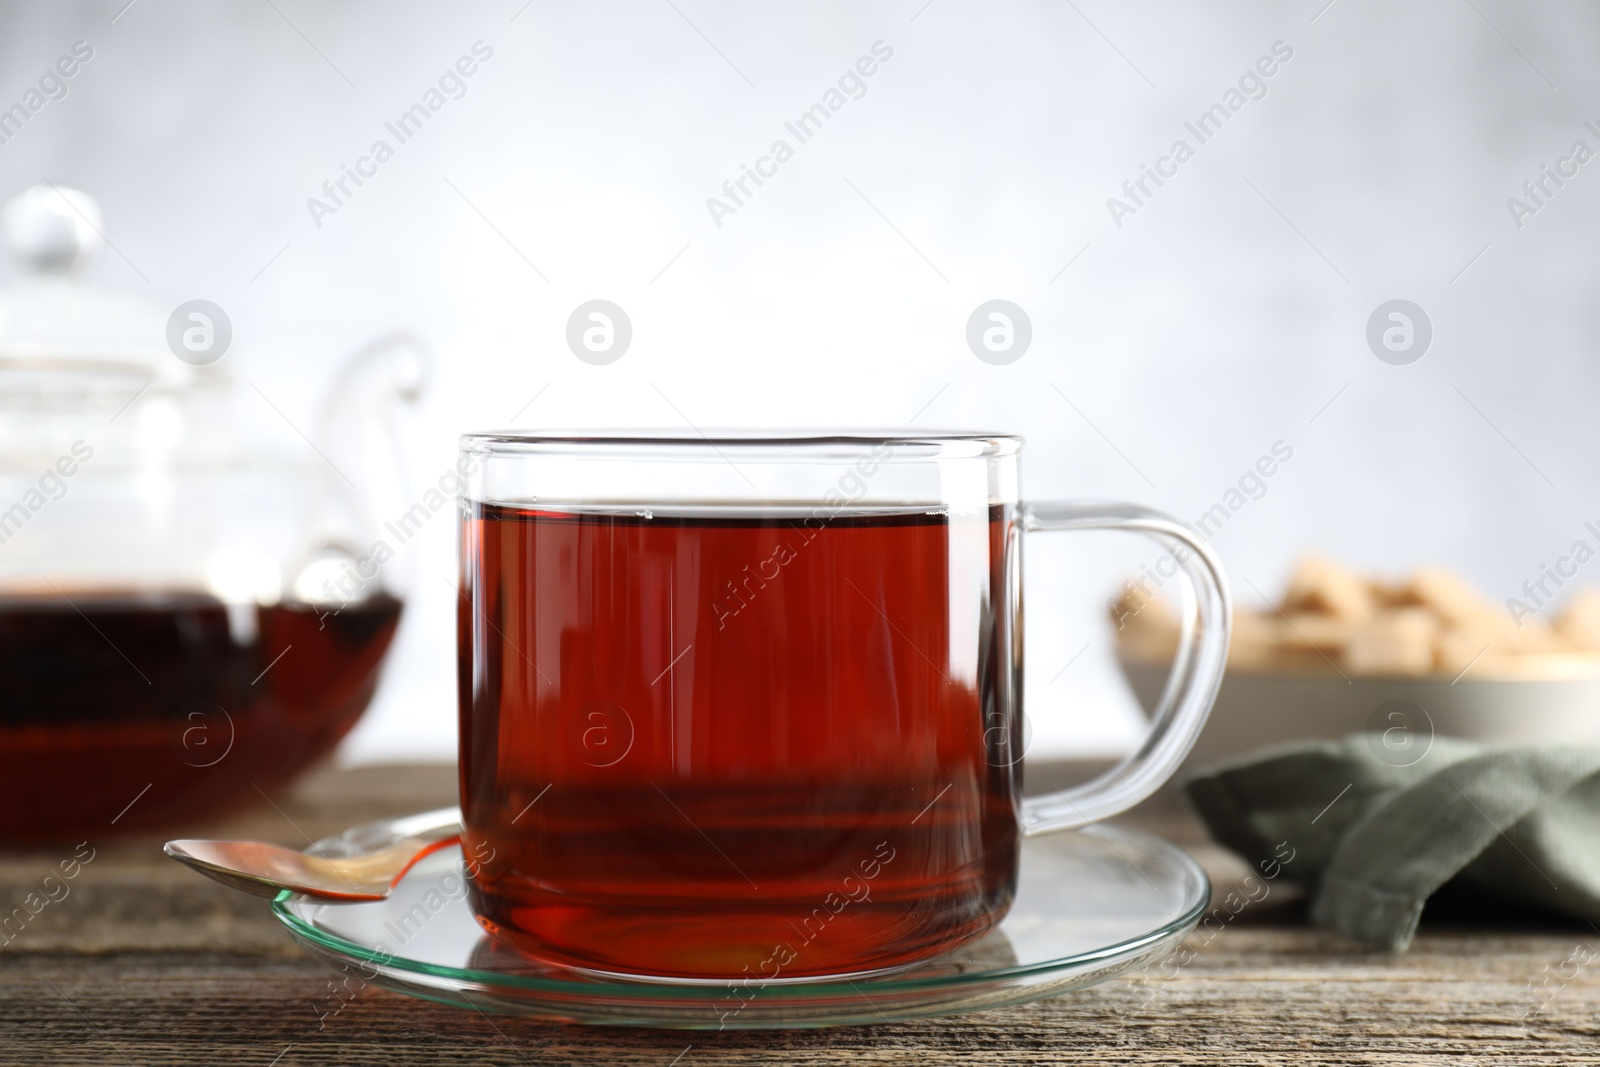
(1191, 687)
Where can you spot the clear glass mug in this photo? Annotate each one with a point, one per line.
(751, 707)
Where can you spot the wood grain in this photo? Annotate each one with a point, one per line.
(142, 962)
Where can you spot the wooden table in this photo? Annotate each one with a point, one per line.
(143, 962)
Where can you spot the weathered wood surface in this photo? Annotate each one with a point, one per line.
(143, 962)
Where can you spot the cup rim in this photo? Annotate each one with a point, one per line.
(975, 442)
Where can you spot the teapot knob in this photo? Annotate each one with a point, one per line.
(52, 229)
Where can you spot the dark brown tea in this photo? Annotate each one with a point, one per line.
(738, 743)
(121, 710)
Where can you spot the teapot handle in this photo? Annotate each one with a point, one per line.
(357, 430)
(393, 367)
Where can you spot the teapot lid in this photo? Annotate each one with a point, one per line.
(58, 334)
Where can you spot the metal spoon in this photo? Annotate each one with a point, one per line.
(266, 870)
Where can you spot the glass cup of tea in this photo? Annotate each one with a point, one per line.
(750, 707)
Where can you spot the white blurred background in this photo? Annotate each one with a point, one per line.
(1168, 354)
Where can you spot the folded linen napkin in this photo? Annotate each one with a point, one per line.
(1375, 836)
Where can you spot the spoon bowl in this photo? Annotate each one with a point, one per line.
(266, 870)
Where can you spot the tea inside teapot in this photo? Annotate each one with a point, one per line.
(127, 709)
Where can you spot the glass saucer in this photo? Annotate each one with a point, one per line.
(1090, 905)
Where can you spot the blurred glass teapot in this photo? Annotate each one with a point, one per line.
(195, 598)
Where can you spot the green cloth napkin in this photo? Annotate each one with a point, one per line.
(1375, 833)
